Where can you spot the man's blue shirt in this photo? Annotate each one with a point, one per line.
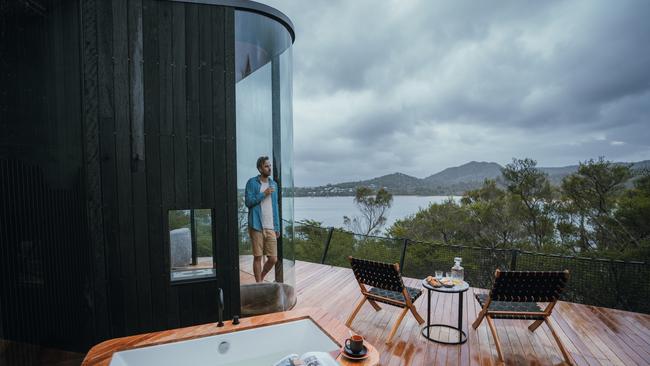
(252, 199)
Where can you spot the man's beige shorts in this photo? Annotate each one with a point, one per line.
(264, 242)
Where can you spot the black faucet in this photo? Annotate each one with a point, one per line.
(220, 299)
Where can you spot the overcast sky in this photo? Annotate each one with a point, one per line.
(419, 86)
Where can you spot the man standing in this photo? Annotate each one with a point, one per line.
(261, 198)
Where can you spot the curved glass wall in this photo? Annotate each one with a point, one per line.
(263, 74)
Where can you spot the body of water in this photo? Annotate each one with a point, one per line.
(330, 210)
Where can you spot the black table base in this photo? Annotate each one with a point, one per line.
(427, 330)
(459, 333)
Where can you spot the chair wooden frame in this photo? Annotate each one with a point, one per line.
(489, 315)
(392, 270)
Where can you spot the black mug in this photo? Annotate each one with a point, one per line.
(354, 343)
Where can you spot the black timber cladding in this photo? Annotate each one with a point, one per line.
(113, 113)
(44, 255)
(162, 107)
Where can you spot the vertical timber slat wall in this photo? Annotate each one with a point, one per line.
(93, 113)
(138, 166)
(126, 279)
(113, 113)
(166, 149)
(179, 135)
(152, 118)
(45, 260)
(160, 145)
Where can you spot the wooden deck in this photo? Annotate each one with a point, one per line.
(593, 336)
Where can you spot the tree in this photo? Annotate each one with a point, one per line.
(373, 207)
(309, 240)
(592, 211)
(492, 216)
(440, 222)
(634, 213)
(532, 187)
(571, 227)
(634, 208)
(594, 190)
(178, 219)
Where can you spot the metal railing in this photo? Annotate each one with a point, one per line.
(601, 282)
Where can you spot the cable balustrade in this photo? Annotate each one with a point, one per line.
(610, 283)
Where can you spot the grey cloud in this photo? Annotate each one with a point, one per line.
(535, 79)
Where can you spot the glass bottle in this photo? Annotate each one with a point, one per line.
(457, 272)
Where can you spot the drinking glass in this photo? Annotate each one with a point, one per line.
(439, 275)
(448, 275)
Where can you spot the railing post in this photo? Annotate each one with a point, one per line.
(195, 250)
(401, 260)
(513, 259)
(327, 244)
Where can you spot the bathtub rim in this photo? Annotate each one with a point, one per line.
(102, 353)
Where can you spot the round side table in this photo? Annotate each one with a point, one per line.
(426, 331)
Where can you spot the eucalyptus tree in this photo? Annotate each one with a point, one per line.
(492, 216)
(373, 208)
(594, 190)
(533, 190)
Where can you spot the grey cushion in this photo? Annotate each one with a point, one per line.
(394, 295)
(511, 306)
(264, 298)
(180, 241)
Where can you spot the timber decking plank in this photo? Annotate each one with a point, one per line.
(607, 339)
(638, 326)
(444, 316)
(474, 355)
(452, 352)
(567, 330)
(408, 334)
(586, 326)
(431, 348)
(574, 326)
(623, 338)
(590, 334)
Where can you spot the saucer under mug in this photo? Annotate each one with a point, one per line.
(358, 355)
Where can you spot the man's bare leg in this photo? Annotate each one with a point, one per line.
(270, 262)
(257, 268)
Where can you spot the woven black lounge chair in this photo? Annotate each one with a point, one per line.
(387, 287)
(516, 294)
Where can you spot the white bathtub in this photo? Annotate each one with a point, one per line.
(260, 346)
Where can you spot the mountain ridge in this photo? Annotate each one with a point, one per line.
(449, 181)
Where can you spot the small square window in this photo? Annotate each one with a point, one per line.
(191, 244)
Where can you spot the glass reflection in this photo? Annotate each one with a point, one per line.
(190, 244)
(257, 40)
(263, 67)
(286, 132)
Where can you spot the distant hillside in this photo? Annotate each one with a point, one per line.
(450, 181)
(470, 172)
(396, 182)
(555, 175)
(391, 180)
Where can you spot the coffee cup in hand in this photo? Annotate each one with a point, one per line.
(354, 343)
